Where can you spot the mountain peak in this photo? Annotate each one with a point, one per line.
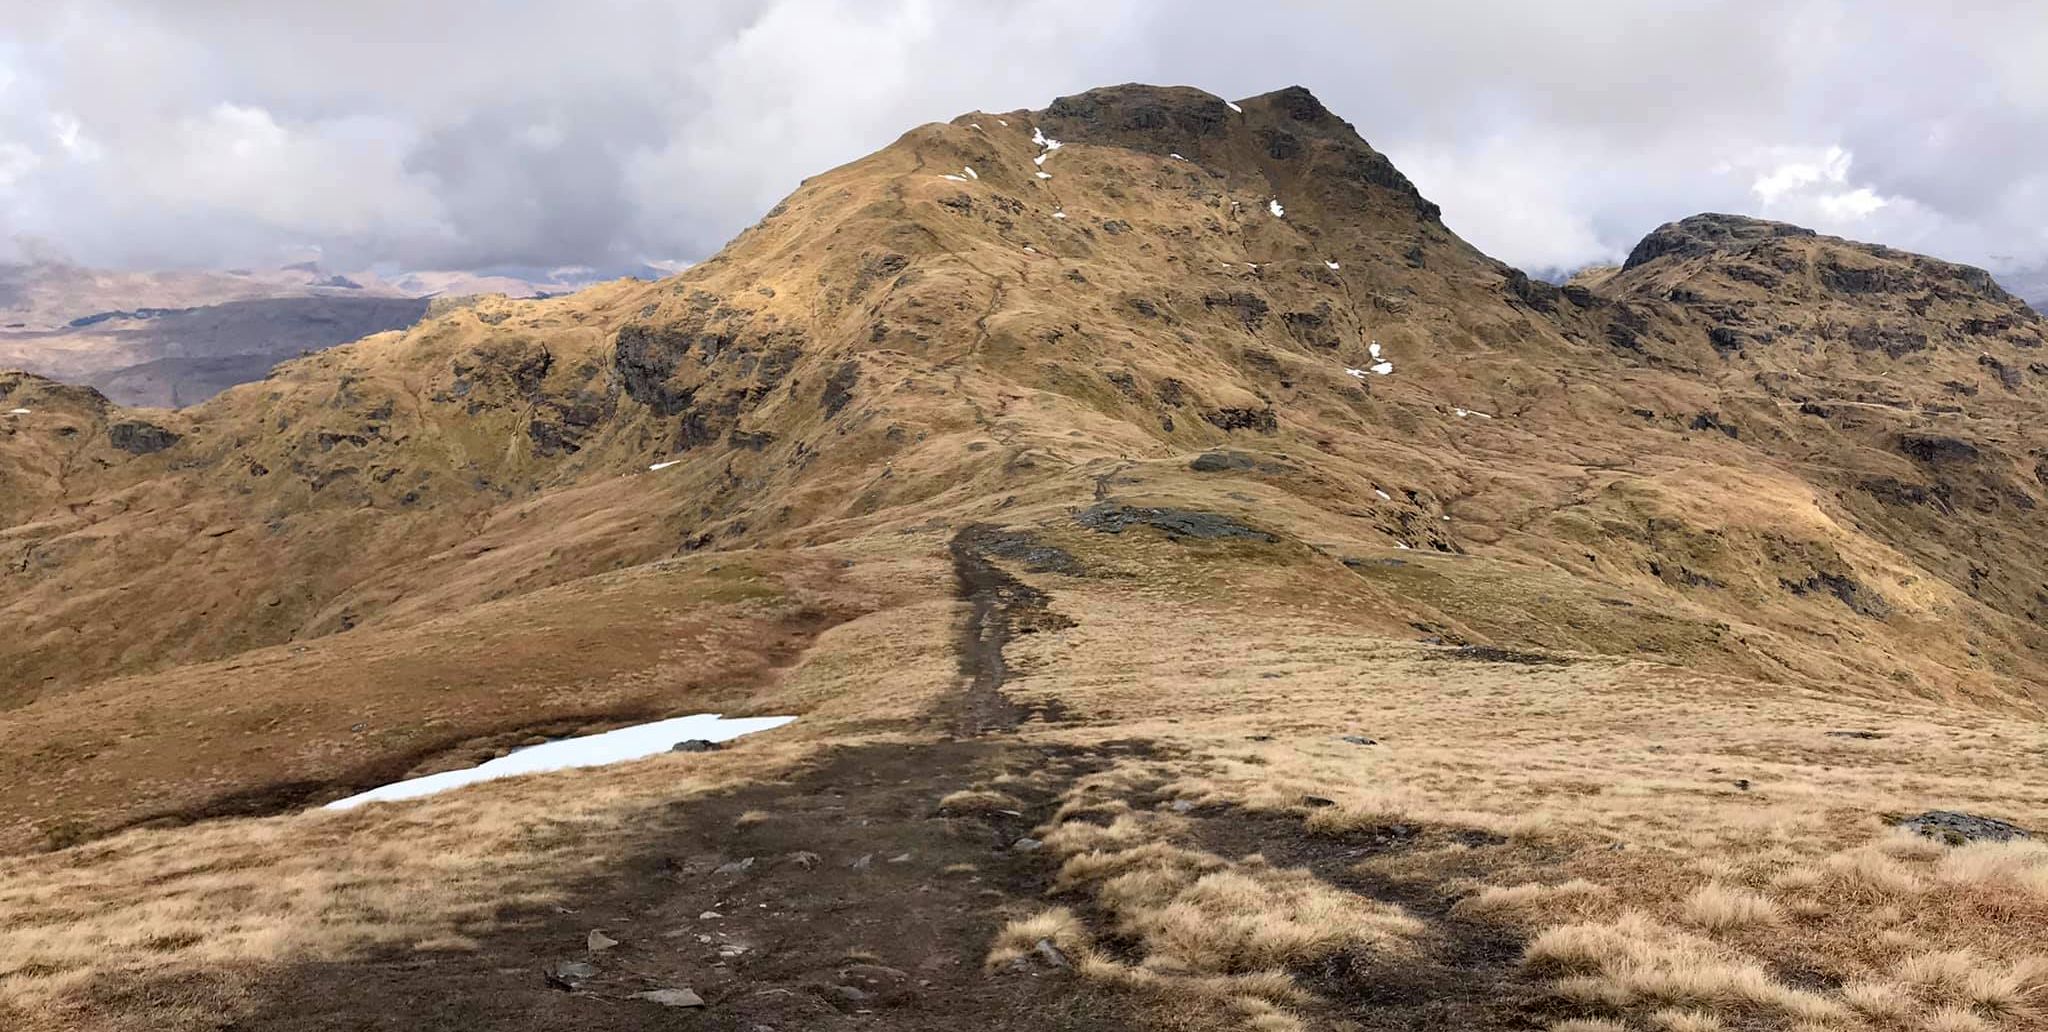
(1288, 136)
(1707, 233)
(1779, 256)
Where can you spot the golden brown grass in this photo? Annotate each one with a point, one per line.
(227, 898)
(1712, 894)
(1716, 907)
(1621, 774)
(977, 800)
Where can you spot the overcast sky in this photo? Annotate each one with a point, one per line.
(610, 133)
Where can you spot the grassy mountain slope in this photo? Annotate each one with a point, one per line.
(1197, 431)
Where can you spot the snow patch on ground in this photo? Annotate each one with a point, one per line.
(1059, 214)
(1233, 107)
(1380, 366)
(976, 126)
(1274, 207)
(1330, 264)
(1462, 413)
(626, 743)
(951, 176)
(18, 412)
(1354, 373)
(1038, 137)
(1176, 157)
(1045, 175)
(659, 466)
(1385, 497)
(969, 169)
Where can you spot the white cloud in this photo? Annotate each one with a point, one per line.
(223, 132)
(16, 162)
(1853, 205)
(1831, 166)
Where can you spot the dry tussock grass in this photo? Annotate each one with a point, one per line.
(977, 800)
(228, 897)
(319, 885)
(1207, 926)
(1622, 773)
(1716, 906)
(1635, 961)
(1712, 892)
(1530, 899)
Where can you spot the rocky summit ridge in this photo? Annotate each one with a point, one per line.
(1209, 365)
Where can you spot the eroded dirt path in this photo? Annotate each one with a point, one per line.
(1000, 608)
(845, 898)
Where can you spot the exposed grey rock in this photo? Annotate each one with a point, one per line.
(735, 867)
(1111, 518)
(1051, 953)
(1956, 828)
(1358, 740)
(1027, 844)
(569, 974)
(1864, 735)
(1219, 461)
(597, 941)
(139, 438)
(671, 997)
(695, 745)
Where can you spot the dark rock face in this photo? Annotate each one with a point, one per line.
(839, 389)
(1860, 599)
(646, 357)
(1220, 461)
(1713, 421)
(1957, 828)
(2008, 376)
(1162, 118)
(1111, 518)
(1937, 449)
(1495, 654)
(1894, 341)
(1532, 292)
(140, 438)
(1262, 420)
(694, 745)
(1300, 105)
(1707, 234)
(1251, 309)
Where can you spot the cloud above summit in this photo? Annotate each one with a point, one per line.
(616, 133)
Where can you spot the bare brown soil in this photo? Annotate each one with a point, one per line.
(854, 911)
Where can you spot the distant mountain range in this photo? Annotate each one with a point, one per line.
(168, 339)
(2032, 287)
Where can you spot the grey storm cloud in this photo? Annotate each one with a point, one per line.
(612, 133)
